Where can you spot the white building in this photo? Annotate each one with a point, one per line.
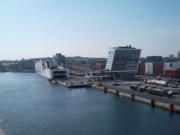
(148, 68)
(172, 66)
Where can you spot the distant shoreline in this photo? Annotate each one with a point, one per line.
(17, 72)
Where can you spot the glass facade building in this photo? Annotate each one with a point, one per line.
(123, 59)
(59, 59)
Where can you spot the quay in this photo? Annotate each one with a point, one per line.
(74, 82)
(170, 104)
(123, 90)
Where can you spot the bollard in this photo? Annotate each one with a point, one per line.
(171, 107)
(117, 92)
(132, 97)
(152, 103)
(105, 89)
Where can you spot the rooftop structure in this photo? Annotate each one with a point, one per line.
(154, 59)
(171, 59)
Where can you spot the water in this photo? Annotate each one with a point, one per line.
(30, 105)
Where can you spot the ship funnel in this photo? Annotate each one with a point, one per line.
(47, 64)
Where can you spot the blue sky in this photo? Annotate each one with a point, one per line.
(40, 28)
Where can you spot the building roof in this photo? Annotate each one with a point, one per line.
(124, 47)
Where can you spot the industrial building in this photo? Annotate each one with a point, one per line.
(172, 69)
(157, 65)
(85, 64)
(17, 66)
(154, 65)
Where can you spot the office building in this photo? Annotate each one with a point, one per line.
(123, 59)
(122, 62)
(60, 59)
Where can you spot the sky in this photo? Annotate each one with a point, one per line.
(42, 28)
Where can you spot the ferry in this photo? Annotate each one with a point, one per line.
(49, 70)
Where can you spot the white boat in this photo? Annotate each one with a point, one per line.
(50, 71)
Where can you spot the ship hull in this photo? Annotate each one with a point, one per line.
(43, 77)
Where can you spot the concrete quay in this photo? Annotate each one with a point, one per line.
(74, 82)
(172, 105)
(73, 85)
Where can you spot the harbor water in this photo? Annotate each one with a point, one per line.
(30, 105)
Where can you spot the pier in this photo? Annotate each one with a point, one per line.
(74, 82)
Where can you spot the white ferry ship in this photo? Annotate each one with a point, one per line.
(49, 70)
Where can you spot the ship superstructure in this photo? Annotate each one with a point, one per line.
(48, 69)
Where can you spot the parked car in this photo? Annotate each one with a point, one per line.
(134, 87)
(169, 94)
(100, 84)
(115, 84)
(161, 92)
(149, 90)
(142, 88)
(118, 81)
(155, 91)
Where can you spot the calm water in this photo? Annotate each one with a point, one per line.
(30, 105)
